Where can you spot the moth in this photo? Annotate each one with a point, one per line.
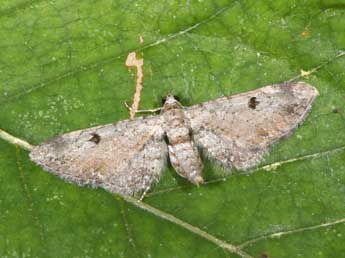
(127, 157)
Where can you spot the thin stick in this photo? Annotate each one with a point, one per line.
(132, 61)
(17, 141)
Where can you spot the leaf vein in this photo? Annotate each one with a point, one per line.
(169, 217)
(28, 196)
(289, 232)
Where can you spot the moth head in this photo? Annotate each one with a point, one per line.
(170, 99)
(171, 102)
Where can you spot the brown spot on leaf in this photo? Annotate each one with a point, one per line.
(305, 33)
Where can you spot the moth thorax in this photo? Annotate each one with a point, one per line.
(171, 106)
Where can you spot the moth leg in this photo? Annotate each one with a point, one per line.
(154, 110)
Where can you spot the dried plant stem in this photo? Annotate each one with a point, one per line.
(132, 61)
(17, 141)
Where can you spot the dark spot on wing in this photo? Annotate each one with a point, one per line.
(95, 138)
(253, 102)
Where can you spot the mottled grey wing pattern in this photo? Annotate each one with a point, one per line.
(125, 157)
(237, 130)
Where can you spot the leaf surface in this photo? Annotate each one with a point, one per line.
(62, 68)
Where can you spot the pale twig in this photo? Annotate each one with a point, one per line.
(15, 140)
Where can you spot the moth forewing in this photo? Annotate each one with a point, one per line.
(126, 158)
(237, 135)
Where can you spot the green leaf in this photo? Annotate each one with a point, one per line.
(62, 68)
